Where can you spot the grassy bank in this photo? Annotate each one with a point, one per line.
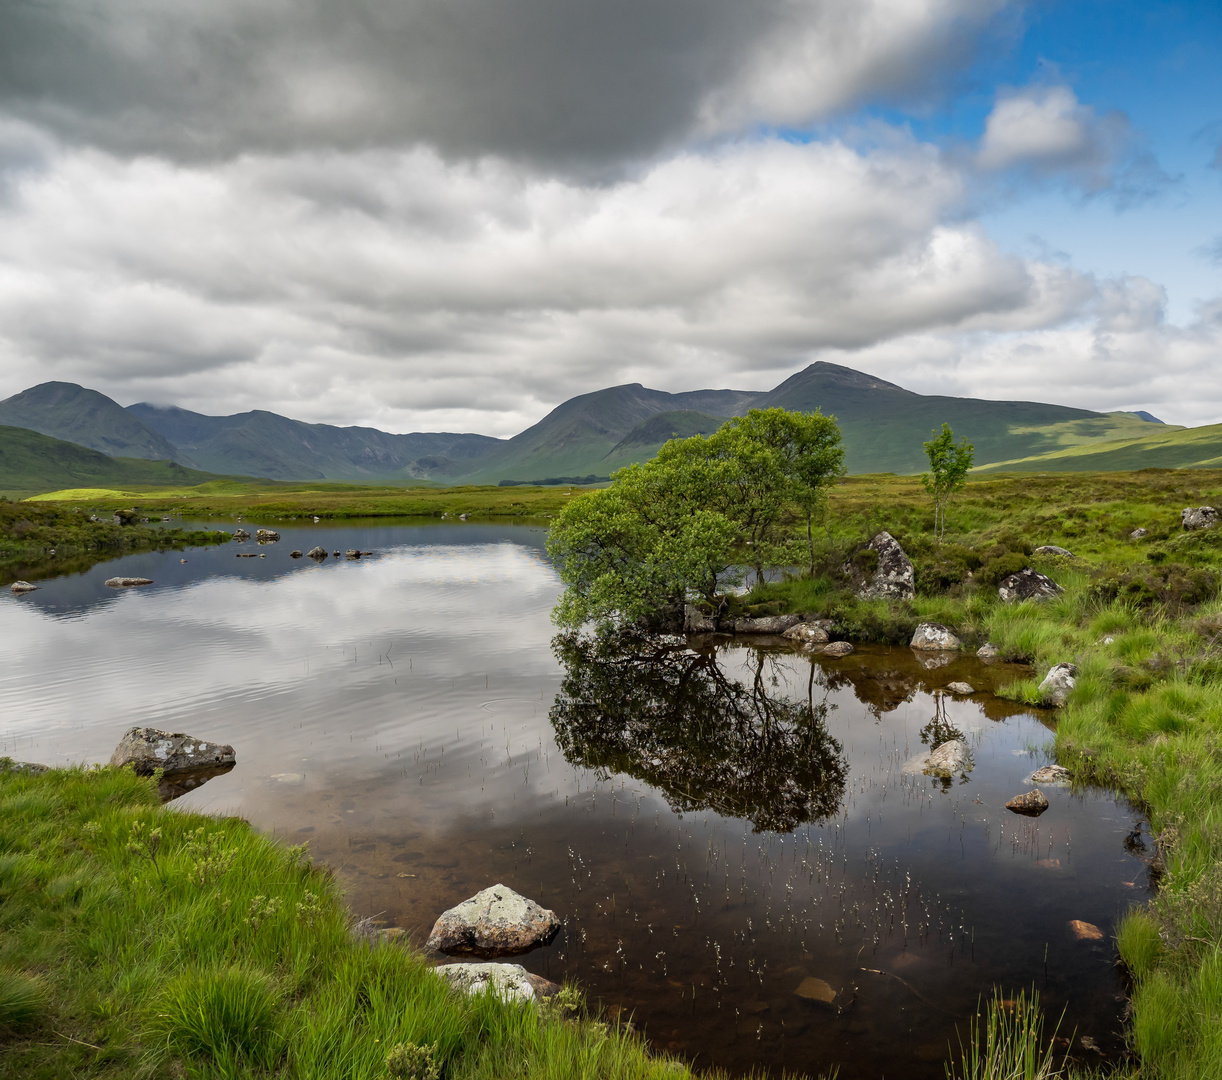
(1142, 620)
(138, 941)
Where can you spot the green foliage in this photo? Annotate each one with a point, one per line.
(948, 465)
(22, 999)
(412, 1062)
(228, 1015)
(1009, 1045)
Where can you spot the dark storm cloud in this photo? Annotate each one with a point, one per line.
(575, 82)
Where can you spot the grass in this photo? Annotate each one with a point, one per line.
(137, 941)
(1009, 1044)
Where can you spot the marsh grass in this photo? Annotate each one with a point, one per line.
(1008, 1043)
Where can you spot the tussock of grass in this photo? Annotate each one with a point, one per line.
(1008, 1045)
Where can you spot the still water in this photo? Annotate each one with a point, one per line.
(726, 828)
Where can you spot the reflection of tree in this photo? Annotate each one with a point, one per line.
(939, 729)
(879, 689)
(658, 711)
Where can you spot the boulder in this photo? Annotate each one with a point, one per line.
(894, 577)
(1052, 549)
(960, 688)
(1198, 517)
(317, 552)
(147, 749)
(807, 634)
(494, 922)
(352, 553)
(944, 761)
(510, 982)
(1027, 584)
(696, 621)
(1059, 681)
(988, 651)
(30, 768)
(764, 624)
(23, 587)
(127, 582)
(1050, 774)
(934, 637)
(1138, 534)
(294, 554)
(1032, 803)
(240, 535)
(266, 536)
(837, 648)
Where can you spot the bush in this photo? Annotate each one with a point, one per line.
(1173, 585)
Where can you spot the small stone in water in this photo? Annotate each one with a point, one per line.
(1085, 931)
(1032, 802)
(816, 990)
(960, 688)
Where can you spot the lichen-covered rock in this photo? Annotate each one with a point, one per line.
(20, 587)
(127, 582)
(1032, 803)
(241, 535)
(988, 651)
(893, 577)
(946, 760)
(510, 982)
(266, 536)
(960, 688)
(1138, 534)
(837, 648)
(807, 634)
(934, 637)
(1027, 584)
(316, 552)
(294, 554)
(1050, 774)
(147, 749)
(1198, 517)
(30, 768)
(764, 624)
(494, 922)
(1052, 549)
(1058, 683)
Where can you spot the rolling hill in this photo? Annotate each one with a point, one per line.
(1165, 447)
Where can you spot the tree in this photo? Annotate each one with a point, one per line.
(948, 465)
(668, 529)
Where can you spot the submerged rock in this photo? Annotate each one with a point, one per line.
(837, 648)
(147, 749)
(1058, 683)
(1027, 584)
(1085, 931)
(494, 922)
(317, 552)
(1198, 517)
(934, 637)
(1052, 549)
(127, 582)
(894, 577)
(1032, 803)
(510, 982)
(960, 688)
(807, 634)
(816, 990)
(20, 587)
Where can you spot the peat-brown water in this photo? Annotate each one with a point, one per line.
(721, 824)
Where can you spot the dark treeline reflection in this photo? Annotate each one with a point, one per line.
(657, 710)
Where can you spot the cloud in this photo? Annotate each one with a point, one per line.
(579, 83)
(1044, 132)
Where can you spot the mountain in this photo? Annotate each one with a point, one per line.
(263, 443)
(584, 434)
(31, 462)
(884, 425)
(1165, 447)
(87, 418)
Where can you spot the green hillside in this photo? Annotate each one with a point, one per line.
(1161, 448)
(262, 443)
(31, 462)
(884, 425)
(87, 418)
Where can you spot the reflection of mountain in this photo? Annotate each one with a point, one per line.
(658, 711)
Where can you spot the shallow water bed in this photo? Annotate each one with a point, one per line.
(727, 830)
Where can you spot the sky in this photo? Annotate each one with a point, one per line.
(428, 215)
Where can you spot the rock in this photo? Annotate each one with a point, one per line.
(147, 749)
(696, 621)
(1198, 517)
(30, 768)
(1049, 774)
(315, 519)
(988, 651)
(462, 517)
(1138, 534)
(960, 688)
(494, 922)
(949, 758)
(352, 553)
(1059, 681)
(266, 536)
(510, 982)
(931, 660)
(317, 552)
(1032, 803)
(247, 555)
(23, 587)
(127, 582)
(837, 648)
(1027, 584)
(894, 577)
(816, 990)
(174, 784)
(336, 553)
(1085, 931)
(294, 554)
(1052, 549)
(240, 535)
(807, 634)
(764, 624)
(934, 637)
